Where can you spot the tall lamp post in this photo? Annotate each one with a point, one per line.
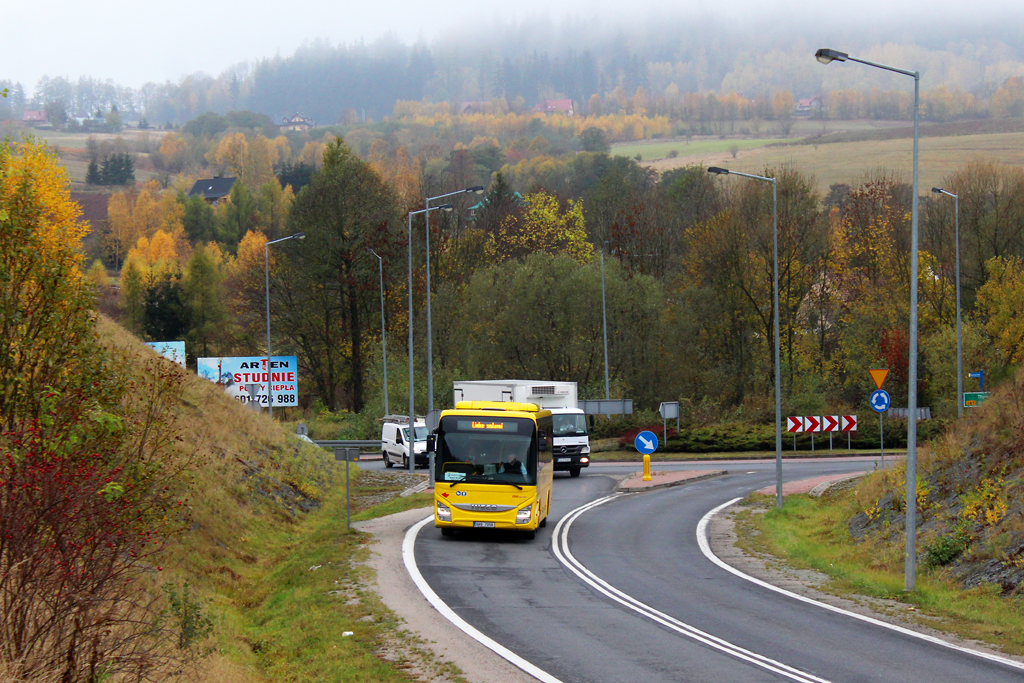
(604, 325)
(775, 304)
(383, 339)
(478, 189)
(826, 56)
(266, 272)
(412, 412)
(959, 341)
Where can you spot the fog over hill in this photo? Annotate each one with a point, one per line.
(571, 56)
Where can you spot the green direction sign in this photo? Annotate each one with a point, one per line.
(974, 399)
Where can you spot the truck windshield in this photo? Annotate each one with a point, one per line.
(569, 425)
(486, 450)
(421, 433)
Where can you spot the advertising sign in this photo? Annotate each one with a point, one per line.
(233, 373)
(171, 350)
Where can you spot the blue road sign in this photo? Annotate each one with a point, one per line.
(646, 442)
(880, 400)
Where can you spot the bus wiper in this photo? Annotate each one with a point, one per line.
(498, 481)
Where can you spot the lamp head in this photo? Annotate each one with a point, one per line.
(937, 190)
(299, 235)
(447, 208)
(718, 171)
(478, 189)
(826, 55)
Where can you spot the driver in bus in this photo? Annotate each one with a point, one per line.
(510, 463)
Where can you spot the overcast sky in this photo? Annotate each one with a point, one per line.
(134, 42)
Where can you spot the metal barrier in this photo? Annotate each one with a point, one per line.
(903, 413)
(348, 449)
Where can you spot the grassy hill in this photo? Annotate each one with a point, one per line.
(264, 509)
(970, 535)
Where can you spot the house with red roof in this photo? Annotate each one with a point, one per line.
(556, 107)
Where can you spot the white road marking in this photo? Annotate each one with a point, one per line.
(561, 548)
(409, 556)
(705, 546)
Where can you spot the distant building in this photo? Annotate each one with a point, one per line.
(297, 122)
(212, 189)
(36, 119)
(809, 105)
(556, 107)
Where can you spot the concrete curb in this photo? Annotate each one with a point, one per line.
(820, 489)
(669, 484)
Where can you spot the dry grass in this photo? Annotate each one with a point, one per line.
(848, 162)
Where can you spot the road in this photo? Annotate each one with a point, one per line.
(709, 626)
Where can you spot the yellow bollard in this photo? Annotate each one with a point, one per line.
(647, 467)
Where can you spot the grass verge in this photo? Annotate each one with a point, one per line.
(811, 533)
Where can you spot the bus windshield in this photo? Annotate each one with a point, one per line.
(486, 450)
(569, 425)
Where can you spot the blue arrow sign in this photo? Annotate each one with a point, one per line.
(646, 442)
(880, 401)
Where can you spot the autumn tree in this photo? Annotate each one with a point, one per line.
(327, 284)
(543, 225)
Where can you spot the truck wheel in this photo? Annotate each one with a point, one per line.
(387, 460)
(574, 471)
(447, 531)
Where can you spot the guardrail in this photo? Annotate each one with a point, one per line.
(347, 449)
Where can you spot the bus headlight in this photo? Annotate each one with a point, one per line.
(524, 515)
(444, 513)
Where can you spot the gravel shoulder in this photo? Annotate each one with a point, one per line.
(397, 590)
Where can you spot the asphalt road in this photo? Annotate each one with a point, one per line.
(519, 593)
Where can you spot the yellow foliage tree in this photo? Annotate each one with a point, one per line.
(543, 226)
(1001, 301)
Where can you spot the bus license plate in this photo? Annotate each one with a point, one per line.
(565, 460)
(484, 525)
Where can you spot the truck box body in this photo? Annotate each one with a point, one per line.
(571, 442)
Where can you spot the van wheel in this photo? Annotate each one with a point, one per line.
(405, 462)
(574, 471)
(447, 531)
(387, 460)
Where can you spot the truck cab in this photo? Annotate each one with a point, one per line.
(571, 441)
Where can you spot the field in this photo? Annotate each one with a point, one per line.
(849, 162)
(660, 149)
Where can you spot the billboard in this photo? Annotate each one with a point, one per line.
(171, 350)
(234, 373)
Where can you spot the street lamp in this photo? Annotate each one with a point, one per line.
(825, 56)
(383, 341)
(412, 414)
(604, 325)
(266, 272)
(959, 341)
(478, 189)
(775, 303)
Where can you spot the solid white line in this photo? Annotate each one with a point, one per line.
(409, 555)
(561, 548)
(705, 547)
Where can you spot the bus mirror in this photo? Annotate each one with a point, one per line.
(431, 443)
(543, 440)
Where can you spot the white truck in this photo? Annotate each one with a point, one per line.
(571, 443)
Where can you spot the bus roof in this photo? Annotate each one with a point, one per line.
(531, 410)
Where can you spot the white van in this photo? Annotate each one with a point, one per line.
(394, 442)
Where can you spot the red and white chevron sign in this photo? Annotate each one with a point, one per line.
(831, 423)
(794, 424)
(849, 423)
(812, 424)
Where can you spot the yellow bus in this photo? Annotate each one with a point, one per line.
(492, 467)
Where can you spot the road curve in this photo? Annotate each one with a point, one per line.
(697, 622)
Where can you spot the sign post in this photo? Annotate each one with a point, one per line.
(880, 402)
(794, 425)
(980, 375)
(646, 442)
(667, 411)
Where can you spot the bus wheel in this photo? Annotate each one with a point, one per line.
(543, 522)
(529, 535)
(574, 472)
(447, 531)
(387, 460)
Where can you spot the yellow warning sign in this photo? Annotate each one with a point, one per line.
(879, 377)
